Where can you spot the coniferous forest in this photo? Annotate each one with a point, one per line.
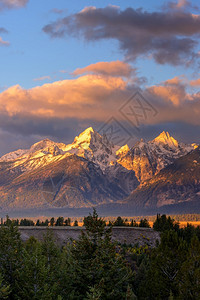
(95, 267)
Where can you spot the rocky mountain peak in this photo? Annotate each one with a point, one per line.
(166, 139)
(87, 137)
(123, 150)
(90, 139)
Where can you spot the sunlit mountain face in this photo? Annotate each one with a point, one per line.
(92, 171)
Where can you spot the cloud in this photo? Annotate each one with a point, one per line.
(3, 30)
(166, 36)
(42, 78)
(62, 108)
(78, 98)
(9, 4)
(174, 103)
(173, 90)
(4, 43)
(57, 11)
(113, 68)
(63, 71)
(179, 5)
(195, 82)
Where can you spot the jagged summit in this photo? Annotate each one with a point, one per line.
(166, 138)
(87, 137)
(91, 145)
(95, 171)
(145, 158)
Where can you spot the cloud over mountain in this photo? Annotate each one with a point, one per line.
(55, 109)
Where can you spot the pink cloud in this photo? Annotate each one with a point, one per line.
(113, 68)
(4, 43)
(42, 78)
(12, 3)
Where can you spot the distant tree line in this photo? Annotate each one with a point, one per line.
(60, 221)
(95, 267)
(124, 222)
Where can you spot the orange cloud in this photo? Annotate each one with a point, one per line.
(79, 98)
(91, 98)
(195, 82)
(113, 68)
(172, 90)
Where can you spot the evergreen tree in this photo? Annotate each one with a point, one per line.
(134, 223)
(165, 264)
(26, 222)
(93, 259)
(130, 295)
(189, 279)
(67, 222)
(75, 223)
(52, 222)
(46, 222)
(36, 275)
(163, 223)
(38, 223)
(11, 253)
(59, 221)
(4, 289)
(119, 222)
(144, 223)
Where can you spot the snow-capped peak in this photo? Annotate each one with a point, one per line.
(123, 150)
(166, 139)
(86, 138)
(94, 147)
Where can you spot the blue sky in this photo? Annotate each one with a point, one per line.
(34, 58)
(32, 54)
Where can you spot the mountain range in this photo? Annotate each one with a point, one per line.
(91, 171)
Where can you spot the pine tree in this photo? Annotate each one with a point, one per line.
(11, 256)
(52, 222)
(75, 223)
(4, 289)
(36, 274)
(164, 269)
(59, 221)
(189, 279)
(129, 294)
(93, 259)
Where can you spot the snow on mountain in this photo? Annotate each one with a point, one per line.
(148, 158)
(13, 155)
(94, 147)
(144, 158)
(93, 168)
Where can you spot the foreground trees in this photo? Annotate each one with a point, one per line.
(93, 267)
(95, 264)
